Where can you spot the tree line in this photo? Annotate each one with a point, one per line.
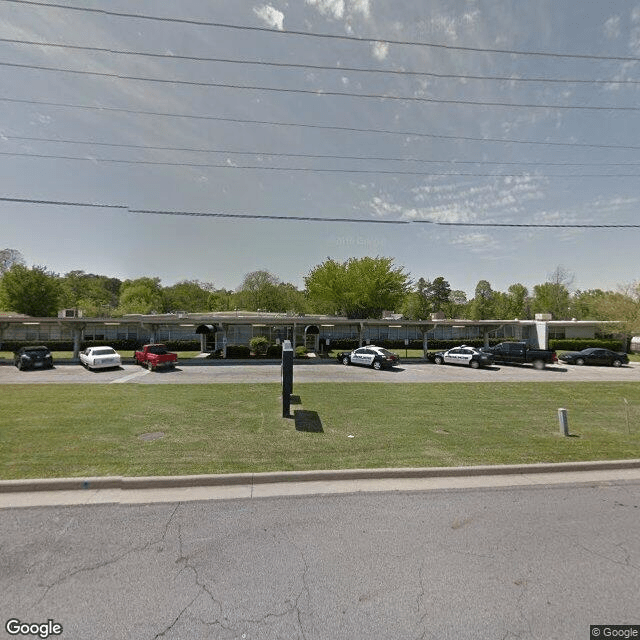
(356, 288)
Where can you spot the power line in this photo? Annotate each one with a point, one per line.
(279, 154)
(291, 32)
(250, 216)
(203, 165)
(316, 67)
(323, 92)
(63, 203)
(416, 134)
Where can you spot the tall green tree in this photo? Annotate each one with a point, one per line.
(34, 292)
(142, 295)
(415, 305)
(95, 295)
(187, 295)
(483, 303)
(623, 307)
(515, 303)
(357, 288)
(553, 296)
(259, 291)
(221, 300)
(458, 305)
(437, 293)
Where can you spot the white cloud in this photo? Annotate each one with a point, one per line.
(612, 27)
(271, 16)
(477, 242)
(361, 7)
(380, 50)
(334, 8)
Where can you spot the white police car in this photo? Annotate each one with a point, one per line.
(469, 356)
(370, 356)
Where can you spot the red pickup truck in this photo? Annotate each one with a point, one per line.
(153, 356)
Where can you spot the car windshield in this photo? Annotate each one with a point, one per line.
(37, 351)
(384, 352)
(106, 351)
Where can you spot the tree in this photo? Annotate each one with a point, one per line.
(553, 295)
(221, 300)
(437, 293)
(143, 295)
(258, 291)
(623, 307)
(483, 303)
(357, 288)
(34, 292)
(95, 295)
(457, 307)
(513, 304)
(9, 257)
(187, 295)
(415, 305)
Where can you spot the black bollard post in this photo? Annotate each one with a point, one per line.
(287, 377)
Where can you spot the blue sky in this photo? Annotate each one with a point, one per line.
(423, 154)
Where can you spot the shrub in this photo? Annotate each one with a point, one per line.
(259, 345)
(238, 351)
(274, 351)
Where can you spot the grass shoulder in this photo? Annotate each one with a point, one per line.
(55, 431)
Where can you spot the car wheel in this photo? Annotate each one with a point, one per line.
(580, 361)
(149, 366)
(346, 361)
(20, 367)
(377, 365)
(538, 364)
(439, 360)
(474, 364)
(617, 363)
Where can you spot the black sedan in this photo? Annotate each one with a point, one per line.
(595, 356)
(33, 358)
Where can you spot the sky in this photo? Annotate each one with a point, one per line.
(461, 116)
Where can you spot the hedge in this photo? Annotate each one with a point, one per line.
(118, 345)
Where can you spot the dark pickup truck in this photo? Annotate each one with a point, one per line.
(520, 353)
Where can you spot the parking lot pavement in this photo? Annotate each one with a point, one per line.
(244, 372)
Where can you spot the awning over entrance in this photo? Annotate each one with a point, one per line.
(207, 328)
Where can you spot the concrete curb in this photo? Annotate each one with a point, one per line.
(165, 482)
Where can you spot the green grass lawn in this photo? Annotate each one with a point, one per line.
(94, 430)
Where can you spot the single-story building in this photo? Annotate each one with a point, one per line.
(216, 331)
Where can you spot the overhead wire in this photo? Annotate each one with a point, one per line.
(203, 165)
(281, 154)
(298, 65)
(325, 92)
(348, 38)
(407, 133)
(250, 216)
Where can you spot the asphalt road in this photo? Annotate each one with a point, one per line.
(534, 563)
(319, 371)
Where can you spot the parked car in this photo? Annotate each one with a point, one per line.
(100, 358)
(154, 356)
(593, 355)
(370, 356)
(469, 356)
(33, 358)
